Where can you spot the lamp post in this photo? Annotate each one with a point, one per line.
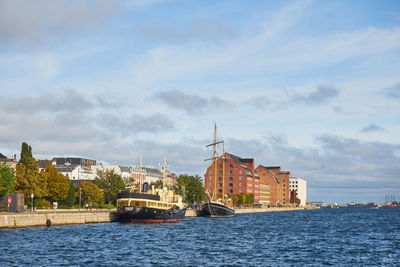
(80, 193)
(32, 195)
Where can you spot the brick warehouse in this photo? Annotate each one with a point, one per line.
(240, 177)
(278, 182)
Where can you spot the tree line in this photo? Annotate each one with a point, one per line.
(49, 185)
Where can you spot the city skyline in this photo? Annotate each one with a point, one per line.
(311, 86)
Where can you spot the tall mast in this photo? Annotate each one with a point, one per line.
(223, 171)
(164, 171)
(141, 178)
(215, 162)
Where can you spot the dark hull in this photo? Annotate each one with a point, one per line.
(213, 209)
(150, 215)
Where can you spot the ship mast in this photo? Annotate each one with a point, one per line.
(223, 171)
(215, 158)
(164, 171)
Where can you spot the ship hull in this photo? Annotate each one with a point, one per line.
(134, 214)
(213, 209)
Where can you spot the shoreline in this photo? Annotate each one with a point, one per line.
(42, 218)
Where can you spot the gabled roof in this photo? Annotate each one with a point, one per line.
(125, 168)
(273, 175)
(240, 160)
(2, 156)
(272, 167)
(153, 171)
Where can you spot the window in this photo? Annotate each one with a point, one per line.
(240, 190)
(220, 190)
(220, 178)
(231, 191)
(220, 184)
(240, 177)
(230, 166)
(240, 184)
(230, 178)
(230, 172)
(240, 172)
(220, 166)
(220, 172)
(230, 185)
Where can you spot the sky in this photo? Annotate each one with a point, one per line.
(311, 86)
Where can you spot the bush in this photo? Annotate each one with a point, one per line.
(42, 204)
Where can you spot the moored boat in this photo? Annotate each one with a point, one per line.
(154, 206)
(213, 207)
(216, 209)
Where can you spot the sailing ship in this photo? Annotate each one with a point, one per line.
(151, 206)
(214, 207)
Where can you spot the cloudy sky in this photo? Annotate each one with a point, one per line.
(311, 86)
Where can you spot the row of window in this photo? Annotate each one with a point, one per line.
(230, 185)
(230, 191)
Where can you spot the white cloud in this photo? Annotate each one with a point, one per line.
(38, 22)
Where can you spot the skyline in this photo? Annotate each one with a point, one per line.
(311, 86)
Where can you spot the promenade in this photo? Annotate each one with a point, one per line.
(66, 217)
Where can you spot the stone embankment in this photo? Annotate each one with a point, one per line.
(47, 218)
(64, 217)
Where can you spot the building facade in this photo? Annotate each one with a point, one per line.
(10, 162)
(278, 182)
(265, 192)
(236, 177)
(298, 189)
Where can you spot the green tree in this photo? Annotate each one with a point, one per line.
(26, 154)
(194, 190)
(111, 184)
(71, 197)
(29, 180)
(91, 193)
(7, 180)
(157, 184)
(57, 184)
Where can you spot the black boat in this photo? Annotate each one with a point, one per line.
(155, 206)
(148, 208)
(216, 209)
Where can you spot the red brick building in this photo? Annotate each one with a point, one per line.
(240, 177)
(278, 182)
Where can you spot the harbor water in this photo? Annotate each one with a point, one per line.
(344, 236)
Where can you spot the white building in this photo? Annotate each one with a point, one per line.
(299, 186)
(76, 172)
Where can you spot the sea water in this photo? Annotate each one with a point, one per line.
(338, 237)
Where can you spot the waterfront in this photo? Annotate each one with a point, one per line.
(344, 236)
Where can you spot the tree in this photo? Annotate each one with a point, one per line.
(194, 190)
(7, 180)
(157, 184)
(57, 184)
(29, 180)
(91, 193)
(111, 184)
(26, 154)
(71, 198)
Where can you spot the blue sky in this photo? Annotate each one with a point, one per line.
(311, 86)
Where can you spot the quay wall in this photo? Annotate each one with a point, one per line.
(16, 220)
(64, 217)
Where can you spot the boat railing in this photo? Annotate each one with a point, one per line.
(128, 194)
